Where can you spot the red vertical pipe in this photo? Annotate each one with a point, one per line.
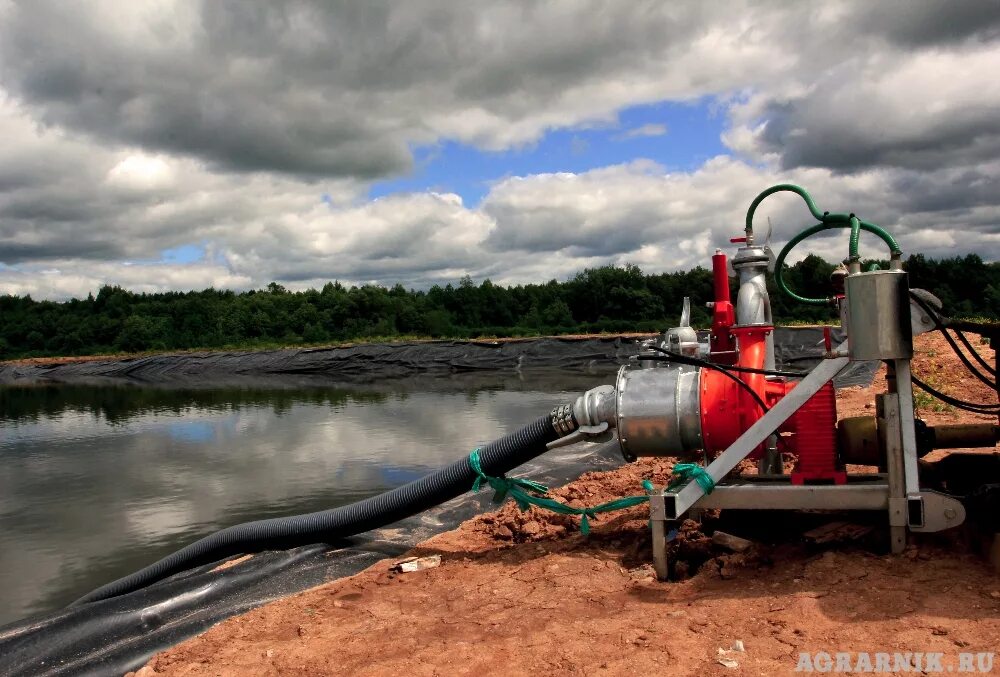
(720, 276)
(723, 314)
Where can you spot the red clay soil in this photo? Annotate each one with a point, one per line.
(73, 359)
(525, 593)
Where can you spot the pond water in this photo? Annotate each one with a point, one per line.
(97, 481)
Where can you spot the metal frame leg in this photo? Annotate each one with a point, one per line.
(888, 410)
(907, 426)
(660, 549)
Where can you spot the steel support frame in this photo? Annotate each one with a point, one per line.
(778, 495)
(896, 494)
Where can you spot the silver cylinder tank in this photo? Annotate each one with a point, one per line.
(658, 411)
(878, 306)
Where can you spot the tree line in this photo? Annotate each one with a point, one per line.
(605, 299)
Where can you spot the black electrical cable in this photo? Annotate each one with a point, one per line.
(954, 346)
(939, 325)
(766, 372)
(670, 356)
(954, 401)
(328, 526)
(733, 367)
(979, 358)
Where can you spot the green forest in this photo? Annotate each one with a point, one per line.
(606, 299)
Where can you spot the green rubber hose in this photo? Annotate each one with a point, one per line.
(819, 228)
(855, 244)
(830, 218)
(827, 221)
(789, 187)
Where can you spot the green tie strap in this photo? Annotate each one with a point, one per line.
(685, 472)
(527, 493)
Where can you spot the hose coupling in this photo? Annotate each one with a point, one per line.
(563, 420)
(597, 405)
(589, 419)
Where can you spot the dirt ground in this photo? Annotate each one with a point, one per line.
(525, 593)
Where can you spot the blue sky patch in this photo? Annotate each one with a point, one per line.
(186, 253)
(691, 134)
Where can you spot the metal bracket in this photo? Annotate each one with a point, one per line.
(931, 511)
(585, 433)
(897, 512)
(657, 513)
(920, 320)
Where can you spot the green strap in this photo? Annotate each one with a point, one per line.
(686, 472)
(527, 493)
(518, 489)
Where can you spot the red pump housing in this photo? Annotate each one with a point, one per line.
(727, 409)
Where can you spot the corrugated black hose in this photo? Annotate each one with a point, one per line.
(327, 526)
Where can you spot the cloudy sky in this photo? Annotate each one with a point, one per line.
(174, 144)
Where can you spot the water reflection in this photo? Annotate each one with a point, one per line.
(96, 481)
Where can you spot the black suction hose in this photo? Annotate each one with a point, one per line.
(497, 458)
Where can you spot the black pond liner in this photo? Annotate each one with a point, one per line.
(795, 348)
(120, 634)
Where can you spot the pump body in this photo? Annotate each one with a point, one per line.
(683, 410)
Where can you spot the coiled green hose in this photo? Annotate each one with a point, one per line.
(827, 221)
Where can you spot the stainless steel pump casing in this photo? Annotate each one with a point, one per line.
(658, 411)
